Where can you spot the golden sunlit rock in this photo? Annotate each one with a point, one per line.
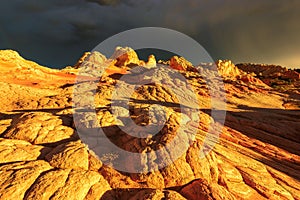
(257, 156)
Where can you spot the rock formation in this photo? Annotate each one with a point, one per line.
(43, 156)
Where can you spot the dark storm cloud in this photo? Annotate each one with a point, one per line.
(126, 2)
(112, 2)
(57, 32)
(266, 33)
(106, 2)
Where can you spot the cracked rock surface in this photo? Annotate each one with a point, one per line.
(52, 150)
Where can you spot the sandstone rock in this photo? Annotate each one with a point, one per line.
(4, 124)
(291, 74)
(66, 184)
(43, 156)
(47, 184)
(18, 150)
(180, 63)
(78, 185)
(143, 194)
(98, 66)
(262, 69)
(17, 178)
(24, 82)
(227, 68)
(41, 128)
(229, 71)
(72, 155)
(156, 195)
(117, 179)
(197, 190)
(273, 75)
(151, 62)
(82, 59)
(98, 190)
(125, 56)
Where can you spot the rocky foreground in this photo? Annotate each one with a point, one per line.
(42, 156)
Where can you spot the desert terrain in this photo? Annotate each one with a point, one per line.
(42, 156)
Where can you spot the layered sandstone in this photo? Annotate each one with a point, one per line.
(43, 156)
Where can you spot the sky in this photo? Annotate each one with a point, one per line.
(56, 33)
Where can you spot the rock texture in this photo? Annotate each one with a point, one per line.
(257, 156)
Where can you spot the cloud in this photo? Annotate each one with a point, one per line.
(106, 2)
(57, 32)
(125, 2)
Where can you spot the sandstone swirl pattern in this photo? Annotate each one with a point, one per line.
(42, 157)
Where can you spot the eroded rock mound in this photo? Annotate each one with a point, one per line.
(44, 154)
